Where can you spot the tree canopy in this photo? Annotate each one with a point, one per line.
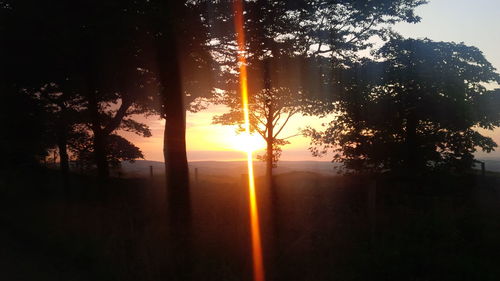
(418, 106)
(84, 65)
(270, 110)
(293, 47)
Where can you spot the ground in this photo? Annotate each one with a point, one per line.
(314, 227)
(21, 262)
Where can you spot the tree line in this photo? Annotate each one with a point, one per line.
(73, 74)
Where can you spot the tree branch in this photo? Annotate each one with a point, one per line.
(290, 114)
(298, 134)
(257, 118)
(117, 119)
(356, 36)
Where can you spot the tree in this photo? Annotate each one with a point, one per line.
(92, 53)
(416, 109)
(285, 39)
(332, 28)
(270, 110)
(178, 39)
(64, 113)
(119, 149)
(112, 69)
(176, 36)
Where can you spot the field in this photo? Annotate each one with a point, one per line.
(315, 226)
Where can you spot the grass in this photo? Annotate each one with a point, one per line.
(314, 227)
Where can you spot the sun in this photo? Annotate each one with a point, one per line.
(247, 142)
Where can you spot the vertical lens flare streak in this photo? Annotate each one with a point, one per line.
(258, 266)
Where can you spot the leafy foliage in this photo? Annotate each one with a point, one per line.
(334, 28)
(118, 149)
(291, 47)
(270, 110)
(417, 107)
(85, 66)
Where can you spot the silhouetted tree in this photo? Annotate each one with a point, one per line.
(332, 28)
(182, 66)
(118, 149)
(416, 108)
(92, 52)
(183, 69)
(112, 67)
(270, 110)
(289, 41)
(64, 113)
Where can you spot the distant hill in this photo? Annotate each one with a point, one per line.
(140, 168)
(234, 169)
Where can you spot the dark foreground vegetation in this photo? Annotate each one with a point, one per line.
(314, 228)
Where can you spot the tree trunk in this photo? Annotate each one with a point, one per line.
(176, 167)
(100, 155)
(99, 139)
(269, 123)
(174, 144)
(269, 141)
(63, 158)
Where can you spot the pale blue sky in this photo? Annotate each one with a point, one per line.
(474, 22)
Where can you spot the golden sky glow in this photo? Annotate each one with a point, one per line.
(206, 141)
(209, 142)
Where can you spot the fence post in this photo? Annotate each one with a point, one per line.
(196, 175)
(151, 171)
(372, 207)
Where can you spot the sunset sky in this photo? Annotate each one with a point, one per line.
(474, 22)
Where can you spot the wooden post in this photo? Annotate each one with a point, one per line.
(483, 169)
(196, 175)
(372, 207)
(151, 171)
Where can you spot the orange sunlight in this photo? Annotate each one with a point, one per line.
(258, 265)
(247, 142)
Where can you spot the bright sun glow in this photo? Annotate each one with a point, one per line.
(247, 142)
